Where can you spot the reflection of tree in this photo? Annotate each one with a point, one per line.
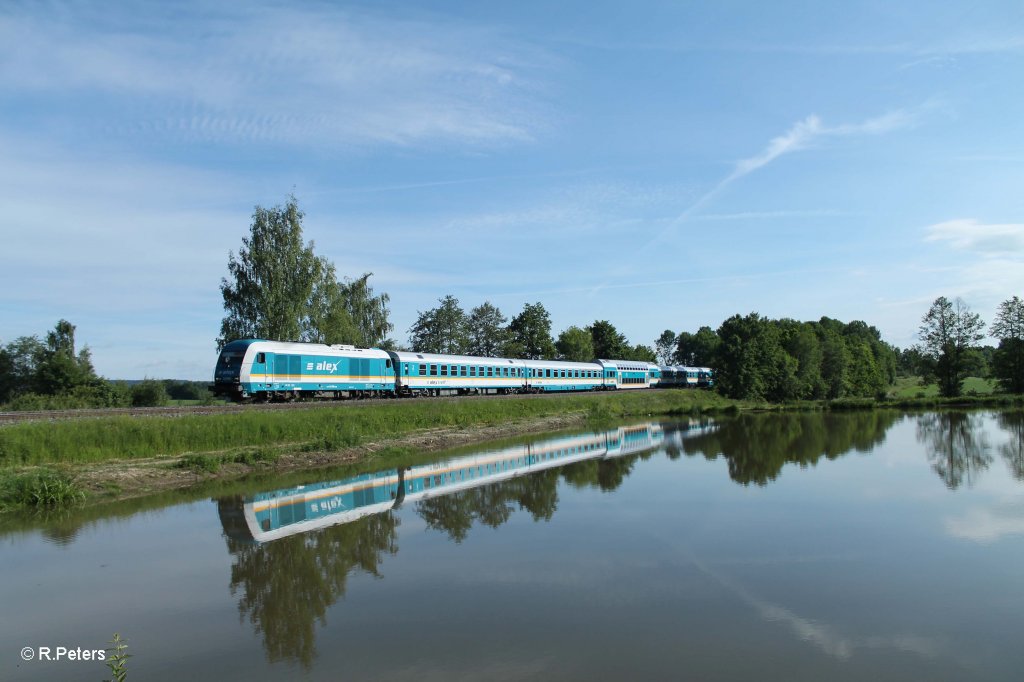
(757, 446)
(956, 445)
(1013, 450)
(288, 584)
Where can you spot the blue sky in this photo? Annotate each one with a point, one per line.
(657, 164)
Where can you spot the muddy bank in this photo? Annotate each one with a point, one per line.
(127, 479)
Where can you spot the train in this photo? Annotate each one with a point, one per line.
(257, 370)
(271, 515)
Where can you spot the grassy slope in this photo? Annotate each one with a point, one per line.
(910, 387)
(324, 427)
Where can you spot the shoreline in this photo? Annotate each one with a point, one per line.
(99, 460)
(158, 475)
(103, 460)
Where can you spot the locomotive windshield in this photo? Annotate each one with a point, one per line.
(227, 359)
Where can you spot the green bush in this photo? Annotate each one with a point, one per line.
(45, 488)
(149, 393)
(200, 463)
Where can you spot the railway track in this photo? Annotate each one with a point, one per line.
(189, 410)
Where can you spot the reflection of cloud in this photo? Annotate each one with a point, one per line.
(822, 635)
(987, 525)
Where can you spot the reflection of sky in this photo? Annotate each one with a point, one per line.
(865, 567)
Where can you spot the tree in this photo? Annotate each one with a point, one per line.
(19, 362)
(270, 288)
(948, 330)
(802, 344)
(609, 344)
(697, 350)
(575, 345)
(485, 330)
(640, 353)
(441, 329)
(530, 333)
(346, 312)
(666, 346)
(1008, 359)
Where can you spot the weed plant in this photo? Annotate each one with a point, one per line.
(117, 661)
(41, 489)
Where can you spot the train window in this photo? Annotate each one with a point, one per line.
(387, 363)
(472, 371)
(444, 370)
(433, 370)
(423, 370)
(464, 371)
(261, 358)
(490, 371)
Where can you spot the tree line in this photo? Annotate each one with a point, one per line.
(949, 350)
(49, 374)
(279, 289)
(485, 331)
(756, 358)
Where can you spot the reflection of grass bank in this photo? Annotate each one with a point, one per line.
(122, 455)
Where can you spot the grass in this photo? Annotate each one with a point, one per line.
(203, 437)
(910, 387)
(39, 489)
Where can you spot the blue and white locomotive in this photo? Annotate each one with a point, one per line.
(255, 369)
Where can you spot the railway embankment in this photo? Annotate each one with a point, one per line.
(76, 461)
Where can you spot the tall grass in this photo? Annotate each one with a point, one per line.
(320, 427)
(44, 488)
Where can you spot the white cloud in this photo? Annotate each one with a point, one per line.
(968, 234)
(805, 132)
(267, 73)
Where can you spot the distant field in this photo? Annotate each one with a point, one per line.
(910, 387)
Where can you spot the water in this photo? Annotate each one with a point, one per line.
(857, 546)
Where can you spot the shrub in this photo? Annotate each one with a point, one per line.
(149, 393)
(38, 489)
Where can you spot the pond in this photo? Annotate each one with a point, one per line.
(868, 545)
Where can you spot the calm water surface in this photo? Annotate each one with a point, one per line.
(774, 547)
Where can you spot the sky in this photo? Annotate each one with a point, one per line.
(661, 165)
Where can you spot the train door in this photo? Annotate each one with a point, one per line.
(259, 372)
(270, 357)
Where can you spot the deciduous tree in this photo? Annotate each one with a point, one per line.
(697, 350)
(1008, 359)
(948, 330)
(441, 329)
(575, 345)
(530, 332)
(666, 346)
(269, 290)
(485, 330)
(609, 344)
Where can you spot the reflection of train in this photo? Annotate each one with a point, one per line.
(270, 370)
(279, 513)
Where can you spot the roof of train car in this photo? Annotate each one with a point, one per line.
(625, 364)
(319, 349)
(409, 356)
(561, 364)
